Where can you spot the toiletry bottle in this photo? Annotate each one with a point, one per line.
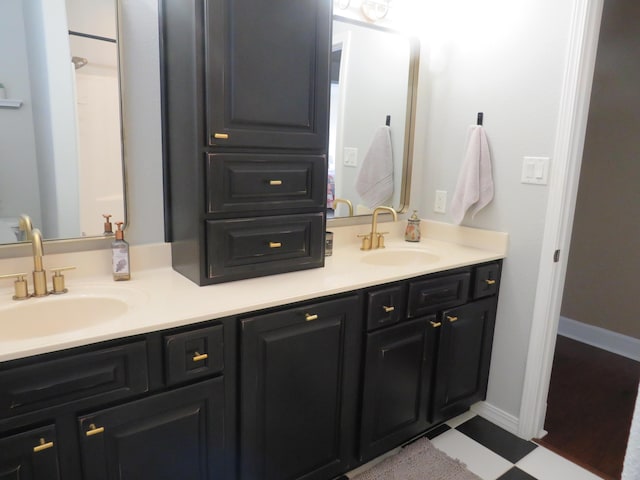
(108, 228)
(120, 256)
(412, 232)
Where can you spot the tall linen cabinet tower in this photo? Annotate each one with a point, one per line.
(245, 86)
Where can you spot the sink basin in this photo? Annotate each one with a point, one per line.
(83, 307)
(399, 256)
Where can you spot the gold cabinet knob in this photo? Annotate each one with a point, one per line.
(93, 430)
(309, 317)
(490, 282)
(43, 445)
(388, 309)
(452, 319)
(275, 182)
(435, 324)
(275, 244)
(199, 357)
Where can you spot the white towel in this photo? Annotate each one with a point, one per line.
(474, 189)
(374, 182)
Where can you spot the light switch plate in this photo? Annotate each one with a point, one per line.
(535, 170)
(350, 156)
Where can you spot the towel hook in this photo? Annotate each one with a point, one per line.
(480, 118)
(388, 121)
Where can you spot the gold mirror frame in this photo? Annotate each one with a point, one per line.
(409, 137)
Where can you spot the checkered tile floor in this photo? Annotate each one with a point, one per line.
(495, 454)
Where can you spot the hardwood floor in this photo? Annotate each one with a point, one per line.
(590, 406)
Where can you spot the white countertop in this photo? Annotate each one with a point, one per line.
(165, 299)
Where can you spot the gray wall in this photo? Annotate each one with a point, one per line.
(496, 60)
(602, 273)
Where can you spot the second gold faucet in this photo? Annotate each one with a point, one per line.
(375, 239)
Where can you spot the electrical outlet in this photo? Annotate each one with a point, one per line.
(440, 204)
(350, 155)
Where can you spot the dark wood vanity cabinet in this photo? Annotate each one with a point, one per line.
(430, 364)
(464, 355)
(298, 390)
(267, 78)
(171, 435)
(152, 407)
(306, 391)
(31, 455)
(399, 363)
(245, 87)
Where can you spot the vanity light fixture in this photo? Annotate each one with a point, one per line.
(374, 10)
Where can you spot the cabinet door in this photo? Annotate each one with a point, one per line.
(464, 355)
(30, 455)
(299, 371)
(268, 73)
(173, 435)
(398, 365)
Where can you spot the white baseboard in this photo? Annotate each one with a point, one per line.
(599, 337)
(497, 416)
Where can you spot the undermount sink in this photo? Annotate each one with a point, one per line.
(83, 307)
(399, 256)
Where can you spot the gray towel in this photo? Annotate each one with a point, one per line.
(374, 182)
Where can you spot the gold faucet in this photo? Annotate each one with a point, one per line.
(348, 203)
(34, 236)
(375, 239)
(25, 225)
(39, 275)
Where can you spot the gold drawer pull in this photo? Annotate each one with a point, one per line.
(490, 282)
(275, 244)
(43, 446)
(93, 430)
(223, 136)
(435, 324)
(388, 309)
(275, 182)
(198, 357)
(309, 317)
(452, 319)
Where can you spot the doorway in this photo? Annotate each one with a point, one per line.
(599, 307)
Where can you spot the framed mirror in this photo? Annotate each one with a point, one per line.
(61, 156)
(373, 82)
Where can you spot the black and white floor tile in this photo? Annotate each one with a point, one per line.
(495, 454)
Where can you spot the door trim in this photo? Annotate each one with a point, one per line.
(570, 134)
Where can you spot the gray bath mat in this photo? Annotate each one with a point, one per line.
(419, 461)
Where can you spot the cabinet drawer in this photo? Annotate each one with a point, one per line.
(385, 306)
(107, 374)
(262, 246)
(258, 182)
(193, 354)
(487, 279)
(430, 295)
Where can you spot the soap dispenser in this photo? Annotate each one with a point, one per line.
(120, 255)
(108, 228)
(412, 232)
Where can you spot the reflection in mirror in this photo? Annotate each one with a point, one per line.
(372, 85)
(60, 128)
